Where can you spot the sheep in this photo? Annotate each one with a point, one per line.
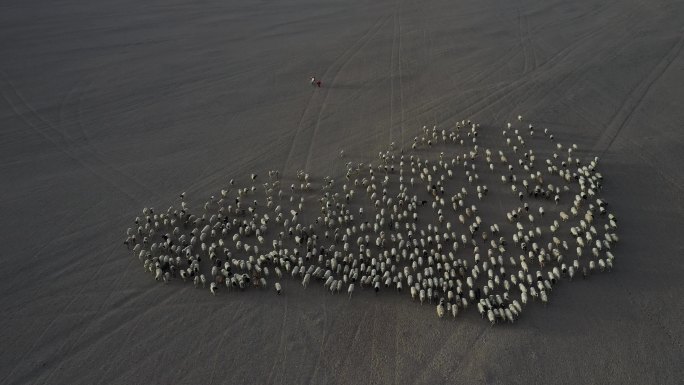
(440, 310)
(396, 242)
(454, 310)
(490, 316)
(509, 315)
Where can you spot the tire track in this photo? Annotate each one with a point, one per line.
(656, 320)
(310, 105)
(546, 66)
(216, 357)
(648, 159)
(42, 127)
(206, 172)
(397, 338)
(531, 43)
(47, 328)
(219, 174)
(355, 340)
(133, 322)
(391, 75)
(323, 340)
(523, 46)
(526, 42)
(351, 53)
(65, 101)
(282, 348)
(541, 71)
(124, 342)
(293, 142)
(79, 117)
(625, 112)
(373, 359)
(401, 84)
(501, 61)
(540, 93)
(95, 318)
(439, 350)
(62, 230)
(91, 150)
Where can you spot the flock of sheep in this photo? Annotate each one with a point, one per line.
(467, 216)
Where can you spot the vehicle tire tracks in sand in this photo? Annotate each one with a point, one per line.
(49, 326)
(337, 69)
(625, 112)
(508, 88)
(60, 140)
(280, 358)
(316, 105)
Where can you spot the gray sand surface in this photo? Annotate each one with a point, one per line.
(108, 107)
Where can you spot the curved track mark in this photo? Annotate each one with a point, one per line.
(41, 127)
(282, 347)
(347, 57)
(512, 86)
(624, 114)
(40, 337)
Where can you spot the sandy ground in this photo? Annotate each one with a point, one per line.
(111, 106)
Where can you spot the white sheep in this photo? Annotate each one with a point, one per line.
(405, 239)
(440, 310)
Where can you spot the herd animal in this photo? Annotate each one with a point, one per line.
(464, 217)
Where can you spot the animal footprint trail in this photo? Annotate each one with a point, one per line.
(491, 218)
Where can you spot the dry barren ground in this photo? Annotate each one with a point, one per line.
(111, 106)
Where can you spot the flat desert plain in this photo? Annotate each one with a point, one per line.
(111, 106)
